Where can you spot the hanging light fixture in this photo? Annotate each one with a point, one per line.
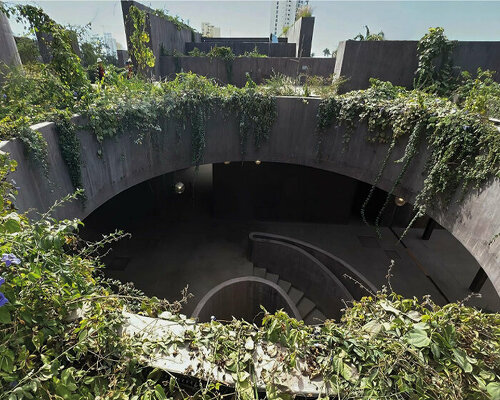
(227, 162)
(257, 162)
(399, 201)
(179, 188)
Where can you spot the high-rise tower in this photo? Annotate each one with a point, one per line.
(283, 14)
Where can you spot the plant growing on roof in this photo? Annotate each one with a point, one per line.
(369, 36)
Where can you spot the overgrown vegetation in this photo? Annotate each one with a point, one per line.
(303, 12)
(60, 320)
(177, 21)
(370, 36)
(464, 148)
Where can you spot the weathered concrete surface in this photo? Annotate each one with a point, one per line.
(122, 56)
(396, 61)
(8, 49)
(238, 47)
(301, 32)
(293, 140)
(164, 35)
(258, 68)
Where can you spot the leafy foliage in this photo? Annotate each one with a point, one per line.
(28, 49)
(435, 67)
(139, 50)
(178, 22)
(303, 12)
(464, 149)
(480, 94)
(60, 337)
(370, 36)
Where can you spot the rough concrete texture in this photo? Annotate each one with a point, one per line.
(122, 56)
(164, 35)
(239, 48)
(396, 61)
(123, 163)
(8, 49)
(258, 68)
(301, 32)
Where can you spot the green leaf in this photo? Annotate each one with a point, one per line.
(493, 389)
(5, 315)
(418, 338)
(461, 359)
(160, 393)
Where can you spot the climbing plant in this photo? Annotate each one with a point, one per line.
(464, 149)
(139, 39)
(435, 67)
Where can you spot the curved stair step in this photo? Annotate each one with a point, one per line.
(272, 277)
(315, 317)
(260, 272)
(295, 294)
(285, 285)
(305, 306)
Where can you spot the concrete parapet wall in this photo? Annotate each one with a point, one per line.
(164, 35)
(396, 61)
(239, 48)
(123, 164)
(258, 68)
(301, 33)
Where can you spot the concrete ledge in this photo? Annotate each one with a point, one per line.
(259, 68)
(293, 140)
(396, 61)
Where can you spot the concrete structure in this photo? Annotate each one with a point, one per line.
(209, 30)
(283, 14)
(474, 221)
(164, 35)
(8, 49)
(258, 68)
(301, 33)
(396, 61)
(122, 56)
(239, 46)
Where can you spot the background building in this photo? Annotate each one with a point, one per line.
(110, 43)
(208, 30)
(283, 14)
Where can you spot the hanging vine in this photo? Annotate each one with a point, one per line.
(463, 148)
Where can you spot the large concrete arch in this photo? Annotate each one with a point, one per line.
(123, 164)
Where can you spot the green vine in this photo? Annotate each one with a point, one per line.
(70, 149)
(140, 52)
(464, 149)
(435, 67)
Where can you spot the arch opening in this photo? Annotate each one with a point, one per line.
(200, 236)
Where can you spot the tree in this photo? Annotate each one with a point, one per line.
(370, 36)
(326, 52)
(28, 49)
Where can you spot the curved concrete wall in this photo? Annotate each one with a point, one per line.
(242, 298)
(289, 262)
(293, 140)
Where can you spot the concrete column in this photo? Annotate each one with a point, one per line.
(8, 49)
